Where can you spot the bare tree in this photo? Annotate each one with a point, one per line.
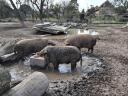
(123, 3)
(57, 11)
(64, 7)
(48, 4)
(17, 12)
(27, 2)
(40, 6)
(5, 10)
(18, 3)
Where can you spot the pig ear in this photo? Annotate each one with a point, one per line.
(44, 51)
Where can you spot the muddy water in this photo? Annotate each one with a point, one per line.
(89, 64)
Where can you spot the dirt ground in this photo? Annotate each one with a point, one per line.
(112, 49)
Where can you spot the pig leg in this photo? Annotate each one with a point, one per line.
(56, 67)
(46, 66)
(47, 63)
(88, 50)
(73, 66)
(92, 50)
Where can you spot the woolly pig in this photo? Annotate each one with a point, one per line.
(61, 54)
(29, 46)
(82, 41)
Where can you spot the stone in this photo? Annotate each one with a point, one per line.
(34, 85)
(37, 61)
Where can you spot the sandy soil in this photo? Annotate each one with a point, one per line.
(112, 49)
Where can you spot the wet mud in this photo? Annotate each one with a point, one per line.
(22, 69)
(104, 72)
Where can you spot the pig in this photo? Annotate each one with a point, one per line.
(61, 54)
(82, 41)
(28, 46)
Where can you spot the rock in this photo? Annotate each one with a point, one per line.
(34, 85)
(5, 79)
(36, 61)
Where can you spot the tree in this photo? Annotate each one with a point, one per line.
(48, 4)
(90, 13)
(5, 10)
(82, 15)
(25, 9)
(120, 10)
(57, 10)
(18, 3)
(123, 3)
(40, 7)
(64, 6)
(17, 12)
(121, 6)
(72, 9)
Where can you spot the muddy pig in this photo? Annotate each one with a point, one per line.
(82, 41)
(61, 54)
(28, 46)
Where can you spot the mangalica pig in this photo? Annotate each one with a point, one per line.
(61, 54)
(28, 46)
(82, 41)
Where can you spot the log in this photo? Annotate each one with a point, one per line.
(8, 58)
(7, 46)
(51, 29)
(34, 85)
(56, 29)
(5, 79)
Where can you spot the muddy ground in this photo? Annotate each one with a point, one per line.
(112, 49)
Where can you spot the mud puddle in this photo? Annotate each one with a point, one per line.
(74, 32)
(89, 65)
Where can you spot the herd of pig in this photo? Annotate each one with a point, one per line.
(70, 52)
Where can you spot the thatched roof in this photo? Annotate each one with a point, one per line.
(106, 9)
(107, 4)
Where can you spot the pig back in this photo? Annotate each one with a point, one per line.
(63, 54)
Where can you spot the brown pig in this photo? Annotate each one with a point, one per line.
(61, 54)
(28, 46)
(82, 41)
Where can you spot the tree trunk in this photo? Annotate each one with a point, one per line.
(17, 13)
(41, 10)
